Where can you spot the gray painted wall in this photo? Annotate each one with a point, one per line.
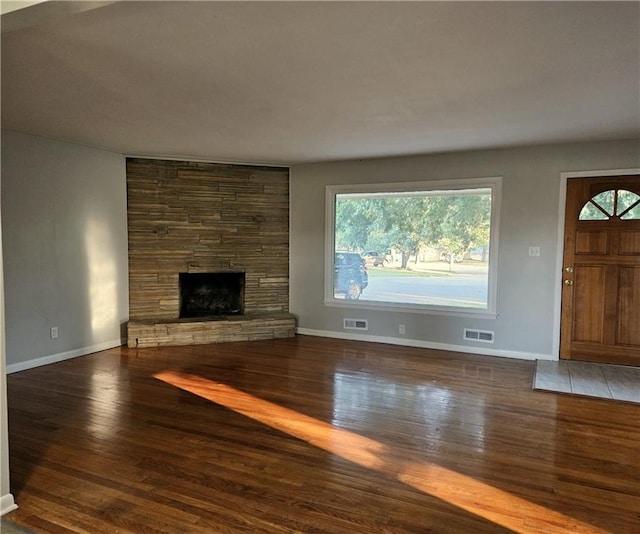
(529, 216)
(64, 224)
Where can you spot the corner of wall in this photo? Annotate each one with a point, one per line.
(7, 504)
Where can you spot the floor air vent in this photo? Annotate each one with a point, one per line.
(485, 336)
(356, 324)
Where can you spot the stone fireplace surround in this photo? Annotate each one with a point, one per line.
(190, 217)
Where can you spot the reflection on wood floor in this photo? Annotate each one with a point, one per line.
(314, 435)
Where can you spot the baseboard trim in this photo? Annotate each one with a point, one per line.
(484, 351)
(7, 504)
(61, 356)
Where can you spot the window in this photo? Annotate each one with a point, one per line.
(620, 203)
(422, 246)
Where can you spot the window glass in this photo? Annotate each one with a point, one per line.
(605, 201)
(626, 199)
(590, 212)
(601, 207)
(632, 214)
(419, 248)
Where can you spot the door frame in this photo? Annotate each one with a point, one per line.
(564, 176)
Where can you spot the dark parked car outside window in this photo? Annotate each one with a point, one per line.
(349, 275)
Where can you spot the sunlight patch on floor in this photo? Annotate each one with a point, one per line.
(478, 498)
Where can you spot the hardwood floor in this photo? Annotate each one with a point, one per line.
(314, 435)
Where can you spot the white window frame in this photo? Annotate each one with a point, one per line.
(492, 183)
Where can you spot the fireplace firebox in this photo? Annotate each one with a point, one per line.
(211, 294)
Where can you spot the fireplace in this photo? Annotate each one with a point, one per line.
(226, 229)
(211, 294)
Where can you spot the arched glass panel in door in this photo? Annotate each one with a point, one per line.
(618, 203)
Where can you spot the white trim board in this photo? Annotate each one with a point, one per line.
(7, 504)
(483, 351)
(557, 301)
(61, 356)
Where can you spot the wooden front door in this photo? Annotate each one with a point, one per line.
(601, 271)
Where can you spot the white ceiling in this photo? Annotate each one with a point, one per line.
(291, 82)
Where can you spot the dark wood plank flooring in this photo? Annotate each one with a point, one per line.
(314, 435)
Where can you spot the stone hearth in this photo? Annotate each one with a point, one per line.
(150, 333)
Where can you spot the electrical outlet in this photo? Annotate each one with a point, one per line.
(534, 251)
(54, 332)
(401, 329)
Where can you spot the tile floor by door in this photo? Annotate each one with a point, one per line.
(617, 382)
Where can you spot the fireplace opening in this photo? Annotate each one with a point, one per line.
(211, 294)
